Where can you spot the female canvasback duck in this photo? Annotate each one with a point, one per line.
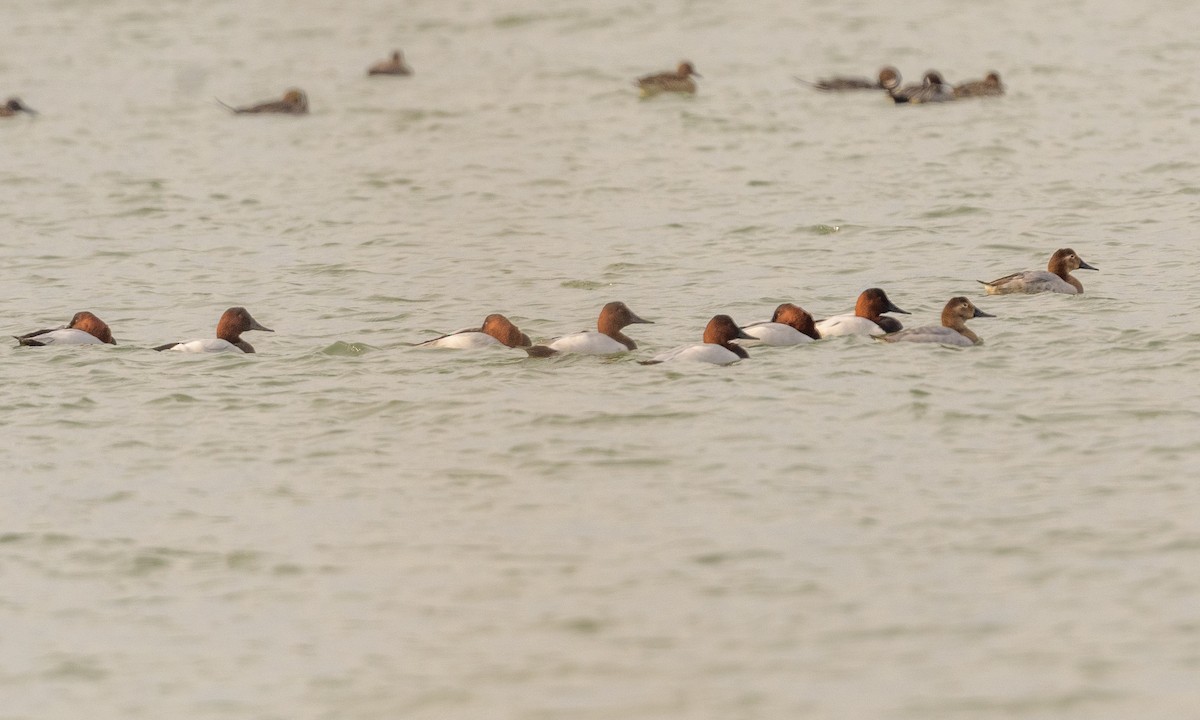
(866, 319)
(679, 81)
(84, 329)
(294, 102)
(1056, 277)
(932, 89)
(889, 79)
(13, 105)
(990, 86)
(233, 323)
(718, 347)
(496, 331)
(790, 325)
(395, 66)
(952, 331)
(606, 339)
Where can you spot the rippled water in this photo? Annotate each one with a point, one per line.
(344, 526)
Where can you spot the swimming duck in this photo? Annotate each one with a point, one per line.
(1056, 277)
(84, 329)
(952, 331)
(496, 331)
(932, 89)
(13, 105)
(606, 339)
(889, 79)
(395, 66)
(871, 303)
(989, 86)
(718, 347)
(789, 325)
(294, 102)
(233, 322)
(679, 81)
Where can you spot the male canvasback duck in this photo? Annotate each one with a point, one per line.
(606, 339)
(932, 89)
(294, 102)
(790, 325)
(990, 86)
(866, 319)
(496, 331)
(233, 323)
(718, 347)
(1056, 277)
(394, 66)
(889, 79)
(13, 105)
(84, 329)
(952, 331)
(679, 81)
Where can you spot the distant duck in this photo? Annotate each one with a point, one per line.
(233, 322)
(13, 105)
(606, 339)
(867, 318)
(889, 79)
(933, 88)
(1056, 277)
(496, 331)
(84, 329)
(789, 325)
(952, 331)
(718, 347)
(990, 86)
(395, 66)
(679, 81)
(294, 102)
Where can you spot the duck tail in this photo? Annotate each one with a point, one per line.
(540, 351)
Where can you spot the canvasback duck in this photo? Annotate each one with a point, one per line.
(1056, 277)
(866, 319)
(790, 325)
(679, 81)
(932, 89)
(84, 329)
(233, 323)
(990, 86)
(952, 331)
(606, 339)
(13, 105)
(718, 347)
(394, 66)
(889, 79)
(496, 331)
(294, 102)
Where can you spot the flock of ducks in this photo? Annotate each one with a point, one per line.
(723, 341)
(932, 88)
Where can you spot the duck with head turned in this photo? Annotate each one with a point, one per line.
(679, 81)
(889, 79)
(13, 105)
(496, 331)
(294, 102)
(933, 89)
(718, 347)
(1055, 278)
(952, 331)
(84, 329)
(393, 66)
(789, 325)
(233, 322)
(990, 86)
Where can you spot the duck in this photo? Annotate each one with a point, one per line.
(1056, 277)
(496, 331)
(233, 322)
(867, 317)
(789, 325)
(718, 347)
(394, 66)
(84, 329)
(606, 339)
(990, 86)
(889, 79)
(294, 102)
(933, 88)
(679, 81)
(952, 331)
(13, 105)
